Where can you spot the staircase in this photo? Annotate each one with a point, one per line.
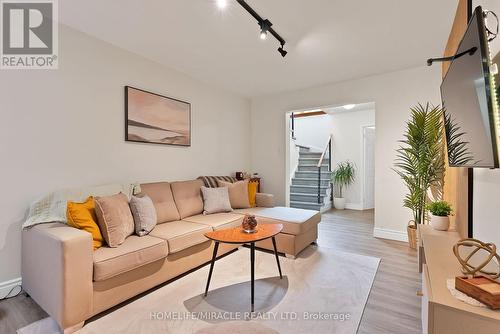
(304, 187)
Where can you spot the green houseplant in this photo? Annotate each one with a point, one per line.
(440, 215)
(342, 176)
(420, 161)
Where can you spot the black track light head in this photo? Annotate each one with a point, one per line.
(282, 51)
(265, 25)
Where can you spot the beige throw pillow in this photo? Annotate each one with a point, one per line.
(215, 200)
(238, 193)
(144, 213)
(114, 218)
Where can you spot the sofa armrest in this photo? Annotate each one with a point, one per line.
(57, 264)
(264, 200)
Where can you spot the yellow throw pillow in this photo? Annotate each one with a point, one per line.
(82, 216)
(252, 193)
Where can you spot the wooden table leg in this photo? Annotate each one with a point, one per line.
(214, 256)
(252, 265)
(277, 257)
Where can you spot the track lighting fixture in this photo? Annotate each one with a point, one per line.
(282, 51)
(265, 27)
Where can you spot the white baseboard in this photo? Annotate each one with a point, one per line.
(326, 207)
(7, 286)
(390, 234)
(354, 206)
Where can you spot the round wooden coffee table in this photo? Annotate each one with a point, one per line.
(237, 236)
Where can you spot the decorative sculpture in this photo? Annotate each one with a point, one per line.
(478, 245)
(249, 224)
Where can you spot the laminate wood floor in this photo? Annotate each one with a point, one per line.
(392, 307)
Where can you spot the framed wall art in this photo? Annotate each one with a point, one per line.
(156, 119)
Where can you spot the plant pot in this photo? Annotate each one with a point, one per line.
(440, 223)
(339, 203)
(412, 236)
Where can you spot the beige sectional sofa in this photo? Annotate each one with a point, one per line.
(72, 283)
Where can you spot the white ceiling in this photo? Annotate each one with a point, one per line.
(327, 40)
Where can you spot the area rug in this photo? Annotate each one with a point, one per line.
(322, 291)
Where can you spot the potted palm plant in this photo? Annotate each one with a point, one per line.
(440, 215)
(420, 162)
(342, 177)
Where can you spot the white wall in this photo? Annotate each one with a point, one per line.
(65, 128)
(486, 217)
(313, 131)
(393, 94)
(347, 130)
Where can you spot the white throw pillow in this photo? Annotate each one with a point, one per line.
(144, 213)
(215, 200)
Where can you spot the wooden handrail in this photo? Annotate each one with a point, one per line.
(324, 151)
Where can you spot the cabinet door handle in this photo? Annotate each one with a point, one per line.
(420, 293)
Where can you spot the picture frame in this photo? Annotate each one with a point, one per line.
(156, 119)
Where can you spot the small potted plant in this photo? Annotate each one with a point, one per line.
(343, 176)
(440, 215)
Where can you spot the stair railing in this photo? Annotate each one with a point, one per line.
(328, 148)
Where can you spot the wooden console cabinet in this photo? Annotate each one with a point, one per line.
(441, 312)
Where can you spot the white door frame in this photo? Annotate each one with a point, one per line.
(287, 158)
(287, 147)
(363, 169)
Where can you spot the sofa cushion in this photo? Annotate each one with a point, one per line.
(181, 234)
(161, 195)
(144, 213)
(187, 196)
(253, 186)
(114, 218)
(215, 200)
(217, 221)
(238, 193)
(133, 253)
(295, 221)
(82, 216)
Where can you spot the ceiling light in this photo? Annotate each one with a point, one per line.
(265, 25)
(221, 4)
(349, 106)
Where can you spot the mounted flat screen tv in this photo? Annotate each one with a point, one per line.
(468, 96)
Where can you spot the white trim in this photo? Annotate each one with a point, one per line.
(287, 138)
(326, 207)
(363, 160)
(6, 286)
(390, 234)
(354, 206)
